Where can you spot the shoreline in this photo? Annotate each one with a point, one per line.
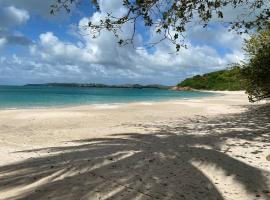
(213, 145)
(43, 127)
(218, 93)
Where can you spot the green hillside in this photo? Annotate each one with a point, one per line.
(220, 80)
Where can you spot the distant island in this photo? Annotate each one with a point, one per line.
(97, 85)
(228, 79)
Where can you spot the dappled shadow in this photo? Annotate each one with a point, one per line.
(157, 165)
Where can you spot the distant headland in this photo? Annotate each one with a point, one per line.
(98, 85)
(228, 79)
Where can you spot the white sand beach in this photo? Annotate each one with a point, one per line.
(205, 148)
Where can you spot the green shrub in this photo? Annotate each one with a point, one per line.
(229, 79)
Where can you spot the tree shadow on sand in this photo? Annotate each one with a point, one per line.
(157, 165)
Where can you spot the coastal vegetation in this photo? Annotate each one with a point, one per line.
(252, 75)
(256, 70)
(229, 79)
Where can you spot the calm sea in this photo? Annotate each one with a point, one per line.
(44, 96)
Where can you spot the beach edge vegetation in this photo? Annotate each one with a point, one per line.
(252, 75)
(229, 79)
(256, 70)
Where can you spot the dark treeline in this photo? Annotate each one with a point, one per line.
(98, 85)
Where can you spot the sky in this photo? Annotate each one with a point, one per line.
(36, 47)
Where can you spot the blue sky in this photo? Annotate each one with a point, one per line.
(36, 47)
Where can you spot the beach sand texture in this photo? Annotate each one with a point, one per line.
(205, 149)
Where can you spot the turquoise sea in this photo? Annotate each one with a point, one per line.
(45, 96)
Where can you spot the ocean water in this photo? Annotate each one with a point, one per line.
(45, 96)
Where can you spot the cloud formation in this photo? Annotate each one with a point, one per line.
(11, 17)
(52, 59)
(41, 7)
(3, 41)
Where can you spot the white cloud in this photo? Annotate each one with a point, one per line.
(114, 7)
(50, 48)
(103, 60)
(217, 35)
(11, 16)
(40, 7)
(3, 41)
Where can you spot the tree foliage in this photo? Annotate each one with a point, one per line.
(256, 71)
(170, 18)
(229, 79)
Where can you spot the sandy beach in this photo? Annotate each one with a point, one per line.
(206, 148)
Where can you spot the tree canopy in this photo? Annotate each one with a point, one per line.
(256, 70)
(170, 18)
(229, 79)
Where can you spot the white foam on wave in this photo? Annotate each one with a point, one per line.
(106, 106)
(145, 103)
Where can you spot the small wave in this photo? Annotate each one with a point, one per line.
(106, 106)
